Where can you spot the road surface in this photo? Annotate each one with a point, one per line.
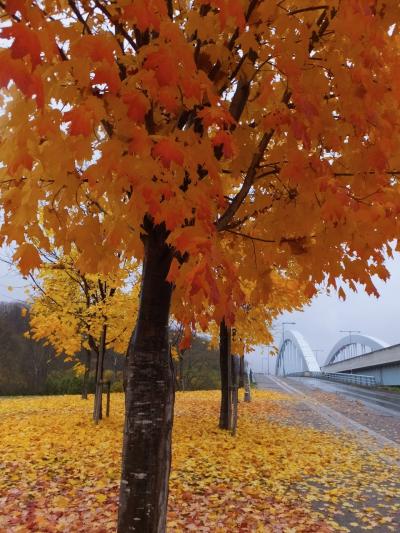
(357, 409)
(370, 418)
(374, 399)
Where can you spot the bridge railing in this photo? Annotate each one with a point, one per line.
(341, 377)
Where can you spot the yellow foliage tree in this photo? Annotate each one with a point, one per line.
(74, 311)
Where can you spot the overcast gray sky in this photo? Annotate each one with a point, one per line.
(320, 323)
(10, 279)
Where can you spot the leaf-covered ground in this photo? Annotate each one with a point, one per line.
(59, 472)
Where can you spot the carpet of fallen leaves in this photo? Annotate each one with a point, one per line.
(59, 472)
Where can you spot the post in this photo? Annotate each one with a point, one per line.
(225, 415)
(108, 398)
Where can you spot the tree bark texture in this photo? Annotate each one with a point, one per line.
(149, 399)
(225, 362)
(86, 375)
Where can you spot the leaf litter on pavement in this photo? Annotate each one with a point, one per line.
(60, 473)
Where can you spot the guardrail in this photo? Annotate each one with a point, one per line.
(341, 377)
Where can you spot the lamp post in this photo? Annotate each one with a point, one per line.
(269, 346)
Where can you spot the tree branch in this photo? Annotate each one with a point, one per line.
(79, 16)
(244, 235)
(119, 26)
(224, 220)
(305, 9)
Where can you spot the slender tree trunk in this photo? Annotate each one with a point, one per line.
(96, 366)
(247, 388)
(115, 366)
(235, 363)
(181, 371)
(225, 362)
(124, 371)
(98, 397)
(241, 372)
(86, 375)
(149, 400)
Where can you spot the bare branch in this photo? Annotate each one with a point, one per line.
(305, 9)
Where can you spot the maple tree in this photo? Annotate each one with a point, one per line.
(154, 129)
(74, 311)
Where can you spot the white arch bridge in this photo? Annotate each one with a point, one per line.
(355, 354)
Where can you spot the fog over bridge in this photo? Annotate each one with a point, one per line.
(353, 354)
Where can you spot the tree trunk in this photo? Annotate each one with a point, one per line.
(225, 363)
(247, 389)
(115, 366)
(241, 372)
(96, 366)
(181, 371)
(86, 375)
(149, 400)
(235, 363)
(98, 397)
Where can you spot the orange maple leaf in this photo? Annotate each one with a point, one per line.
(109, 75)
(168, 151)
(97, 47)
(164, 66)
(146, 13)
(15, 70)
(26, 42)
(138, 105)
(27, 257)
(80, 121)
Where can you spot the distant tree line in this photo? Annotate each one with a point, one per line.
(30, 367)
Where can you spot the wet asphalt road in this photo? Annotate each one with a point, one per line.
(377, 400)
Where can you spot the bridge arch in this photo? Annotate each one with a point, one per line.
(353, 345)
(295, 355)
